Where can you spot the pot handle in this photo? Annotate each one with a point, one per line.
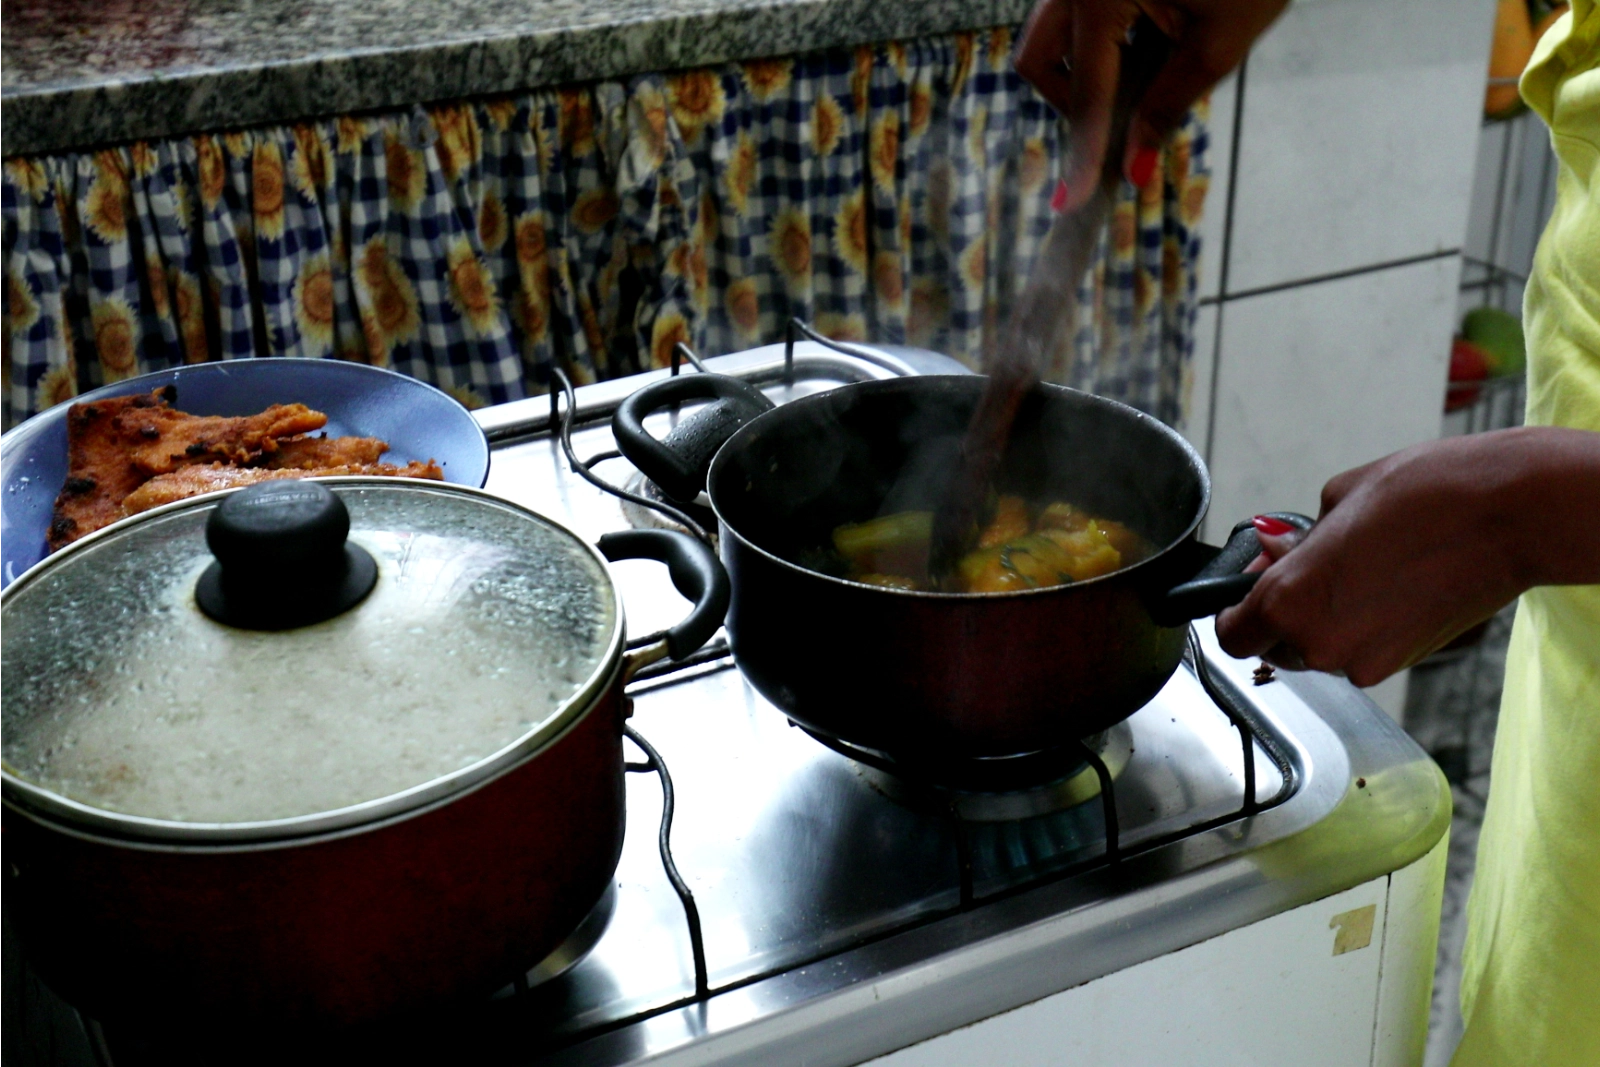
(696, 573)
(678, 462)
(1220, 583)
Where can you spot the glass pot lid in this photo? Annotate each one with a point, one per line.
(130, 706)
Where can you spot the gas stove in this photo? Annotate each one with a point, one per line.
(1248, 864)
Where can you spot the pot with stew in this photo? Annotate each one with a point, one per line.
(1068, 616)
(319, 753)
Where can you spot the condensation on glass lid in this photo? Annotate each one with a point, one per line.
(122, 695)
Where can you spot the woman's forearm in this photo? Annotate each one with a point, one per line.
(1416, 547)
(1553, 502)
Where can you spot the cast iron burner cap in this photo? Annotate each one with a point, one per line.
(643, 518)
(995, 789)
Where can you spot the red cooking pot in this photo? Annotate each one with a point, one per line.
(318, 753)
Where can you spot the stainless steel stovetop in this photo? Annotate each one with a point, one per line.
(834, 918)
(839, 924)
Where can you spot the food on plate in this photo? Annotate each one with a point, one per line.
(158, 438)
(1020, 548)
(99, 473)
(307, 453)
(192, 481)
(141, 448)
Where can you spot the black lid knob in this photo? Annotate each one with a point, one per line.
(282, 558)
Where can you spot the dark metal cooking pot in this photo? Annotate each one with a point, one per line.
(318, 813)
(931, 676)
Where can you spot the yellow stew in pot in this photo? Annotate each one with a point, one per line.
(1021, 548)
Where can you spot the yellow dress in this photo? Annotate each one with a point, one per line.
(1530, 991)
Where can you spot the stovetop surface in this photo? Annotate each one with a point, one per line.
(816, 892)
(792, 853)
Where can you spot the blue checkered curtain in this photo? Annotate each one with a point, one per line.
(892, 193)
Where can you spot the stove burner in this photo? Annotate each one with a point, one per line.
(566, 955)
(995, 789)
(644, 518)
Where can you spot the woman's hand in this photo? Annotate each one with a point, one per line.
(1071, 52)
(1417, 547)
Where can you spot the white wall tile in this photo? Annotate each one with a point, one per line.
(1358, 136)
(1214, 220)
(1319, 378)
(1197, 412)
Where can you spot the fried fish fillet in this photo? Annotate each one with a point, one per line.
(115, 445)
(307, 453)
(99, 472)
(164, 439)
(132, 453)
(196, 479)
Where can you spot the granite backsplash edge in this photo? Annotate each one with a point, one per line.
(70, 108)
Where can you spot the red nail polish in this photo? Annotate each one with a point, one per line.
(1058, 199)
(1143, 167)
(1268, 526)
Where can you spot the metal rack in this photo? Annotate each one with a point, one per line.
(1516, 186)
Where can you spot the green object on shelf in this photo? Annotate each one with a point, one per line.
(1499, 334)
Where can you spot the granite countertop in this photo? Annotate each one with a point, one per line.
(78, 73)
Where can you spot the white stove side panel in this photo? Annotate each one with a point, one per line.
(1410, 947)
(1246, 998)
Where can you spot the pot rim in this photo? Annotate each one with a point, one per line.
(33, 798)
(1197, 463)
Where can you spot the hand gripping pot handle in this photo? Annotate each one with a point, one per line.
(696, 573)
(678, 462)
(1221, 583)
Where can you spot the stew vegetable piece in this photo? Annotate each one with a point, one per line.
(1019, 549)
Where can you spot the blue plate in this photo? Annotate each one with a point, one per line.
(418, 421)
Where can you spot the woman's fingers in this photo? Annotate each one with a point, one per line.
(1071, 51)
(1256, 626)
(1418, 546)
(1284, 657)
(1211, 38)
(1193, 68)
(1099, 30)
(1272, 550)
(1244, 630)
(1042, 54)
(1277, 536)
(1339, 486)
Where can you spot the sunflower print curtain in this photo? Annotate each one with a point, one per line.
(892, 193)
